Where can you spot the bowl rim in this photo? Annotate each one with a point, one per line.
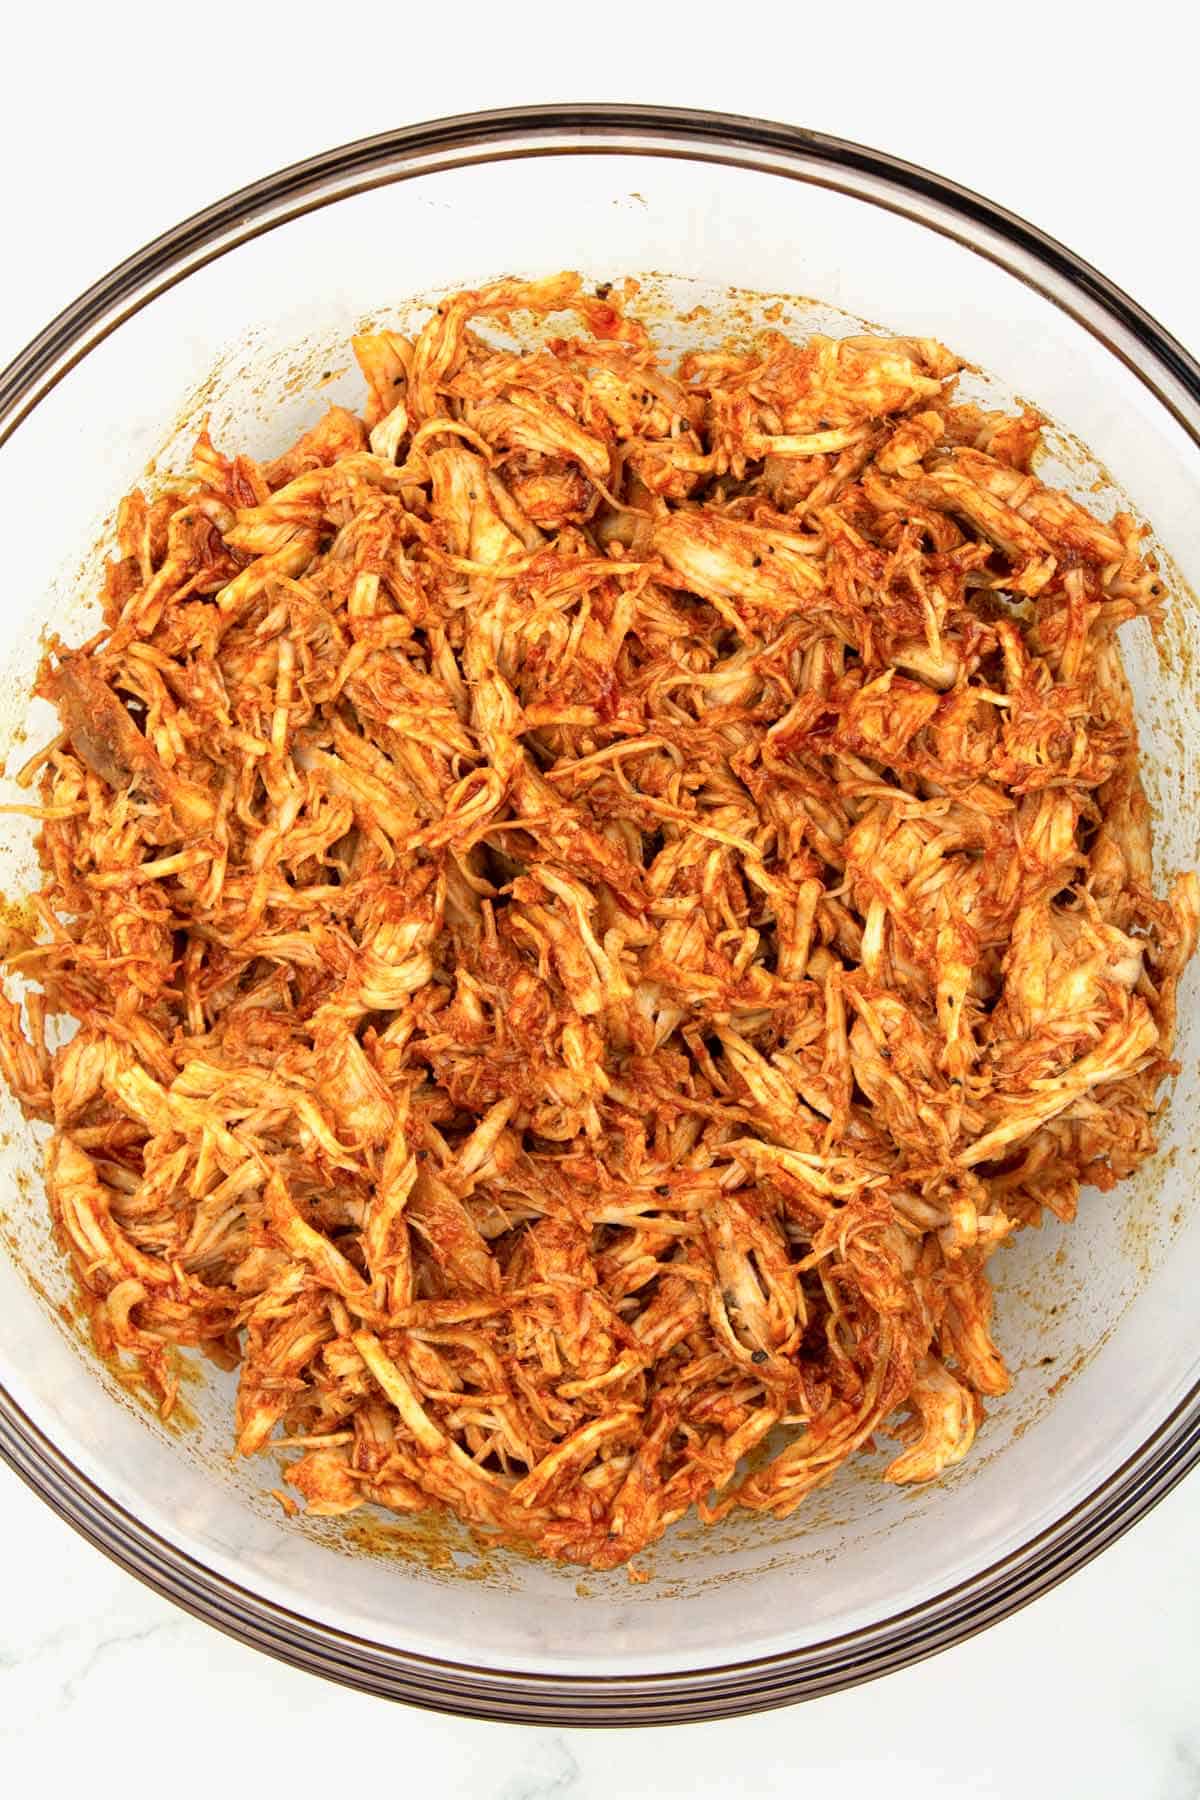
(1171, 374)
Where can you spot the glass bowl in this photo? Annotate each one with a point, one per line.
(243, 312)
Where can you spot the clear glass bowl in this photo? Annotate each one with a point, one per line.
(243, 311)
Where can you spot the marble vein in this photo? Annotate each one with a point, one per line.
(550, 1769)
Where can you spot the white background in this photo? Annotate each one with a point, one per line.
(119, 121)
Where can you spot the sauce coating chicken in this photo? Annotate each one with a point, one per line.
(594, 898)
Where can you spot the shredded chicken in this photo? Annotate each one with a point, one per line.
(594, 898)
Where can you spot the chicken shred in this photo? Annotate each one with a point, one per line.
(594, 897)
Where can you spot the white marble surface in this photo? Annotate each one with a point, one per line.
(118, 123)
(1091, 1691)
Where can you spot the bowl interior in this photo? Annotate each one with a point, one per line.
(1094, 1320)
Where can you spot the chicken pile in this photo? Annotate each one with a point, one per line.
(594, 899)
